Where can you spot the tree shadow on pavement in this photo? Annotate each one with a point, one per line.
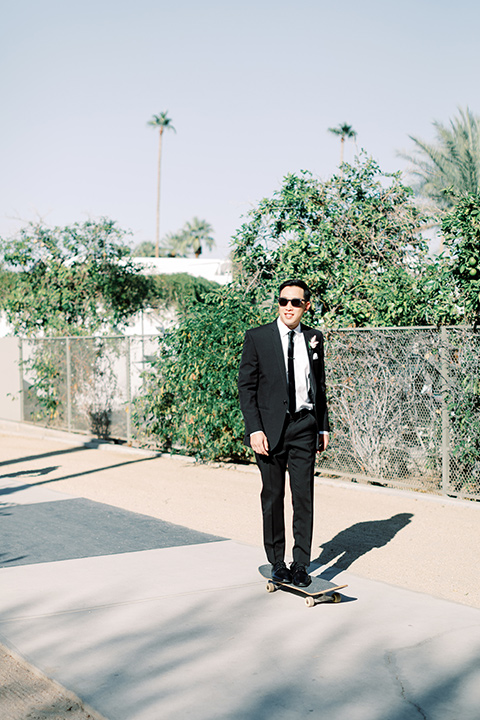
(89, 445)
(358, 540)
(30, 473)
(16, 488)
(154, 655)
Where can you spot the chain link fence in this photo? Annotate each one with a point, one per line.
(84, 384)
(405, 408)
(404, 402)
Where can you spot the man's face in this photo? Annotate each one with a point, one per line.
(290, 315)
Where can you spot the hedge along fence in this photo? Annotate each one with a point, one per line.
(404, 402)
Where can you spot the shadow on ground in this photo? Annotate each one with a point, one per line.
(45, 471)
(357, 540)
(91, 444)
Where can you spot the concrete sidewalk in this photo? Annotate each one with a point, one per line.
(132, 581)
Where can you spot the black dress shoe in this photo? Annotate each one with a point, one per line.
(300, 577)
(281, 573)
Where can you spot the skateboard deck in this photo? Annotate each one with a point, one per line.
(319, 590)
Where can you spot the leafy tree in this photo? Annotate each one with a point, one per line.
(71, 280)
(459, 275)
(461, 230)
(7, 281)
(344, 131)
(160, 122)
(356, 239)
(452, 161)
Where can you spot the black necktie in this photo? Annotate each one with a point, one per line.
(292, 403)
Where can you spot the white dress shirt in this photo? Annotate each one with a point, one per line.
(301, 364)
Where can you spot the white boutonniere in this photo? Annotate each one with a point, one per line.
(313, 342)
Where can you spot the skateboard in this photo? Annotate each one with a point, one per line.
(318, 591)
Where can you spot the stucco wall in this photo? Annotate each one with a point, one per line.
(10, 398)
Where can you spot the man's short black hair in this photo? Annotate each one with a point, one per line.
(296, 283)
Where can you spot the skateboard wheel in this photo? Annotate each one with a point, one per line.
(270, 587)
(336, 597)
(309, 601)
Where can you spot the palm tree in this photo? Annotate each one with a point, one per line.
(175, 244)
(345, 131)
(199, 233)
(144, 249)
(452, 161)
(194, 235)
(161, 122)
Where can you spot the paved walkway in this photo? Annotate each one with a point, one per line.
(131, 581)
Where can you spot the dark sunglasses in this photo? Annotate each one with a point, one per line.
(296, 302)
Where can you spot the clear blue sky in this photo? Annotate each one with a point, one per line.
(252, 87)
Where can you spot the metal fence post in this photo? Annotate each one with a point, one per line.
(20, 367)
(129, 392)
(69, 385)
(445, 415)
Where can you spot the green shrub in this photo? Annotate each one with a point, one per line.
(179, 289)
(189, 401)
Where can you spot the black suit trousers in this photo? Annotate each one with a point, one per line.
(295, 452)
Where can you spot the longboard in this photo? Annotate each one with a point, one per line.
(319, 590)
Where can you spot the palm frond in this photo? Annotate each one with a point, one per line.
(452, 161)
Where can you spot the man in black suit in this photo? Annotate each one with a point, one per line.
(281, 387)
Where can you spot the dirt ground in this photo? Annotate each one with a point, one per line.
(27, 694)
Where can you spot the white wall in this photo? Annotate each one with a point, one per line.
(10, 397)
(219, 271)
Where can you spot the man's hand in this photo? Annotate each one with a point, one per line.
(259, 443)
(323, 439)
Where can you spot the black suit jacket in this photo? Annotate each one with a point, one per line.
(263, 386)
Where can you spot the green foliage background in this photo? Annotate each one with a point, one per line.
(178, 289)
(461, 264)
(189, 400)
(71, 280)
(357, 241)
